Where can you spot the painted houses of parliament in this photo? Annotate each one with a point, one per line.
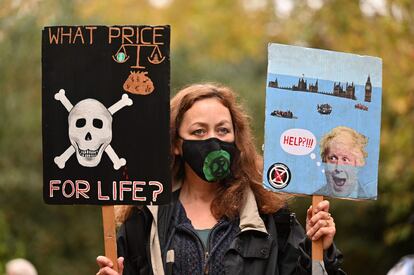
(338, 89)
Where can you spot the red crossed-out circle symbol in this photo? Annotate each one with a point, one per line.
(278, 175)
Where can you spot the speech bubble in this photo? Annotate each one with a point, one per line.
(298, 141)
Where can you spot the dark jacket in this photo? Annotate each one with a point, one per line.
(265, 244)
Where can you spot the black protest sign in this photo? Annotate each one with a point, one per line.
(105, 104)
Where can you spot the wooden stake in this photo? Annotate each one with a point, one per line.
(317, 246)
(108, 218)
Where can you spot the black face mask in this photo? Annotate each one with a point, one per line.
(211, 158)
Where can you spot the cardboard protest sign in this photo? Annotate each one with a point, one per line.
(322, 122)
(105, 107)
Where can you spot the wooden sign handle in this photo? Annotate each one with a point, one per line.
(108, 218)
(317, 246)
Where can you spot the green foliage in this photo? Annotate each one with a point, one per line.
(212, 41)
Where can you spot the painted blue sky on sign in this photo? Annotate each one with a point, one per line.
(323, 64)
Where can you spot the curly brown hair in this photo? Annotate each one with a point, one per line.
(246, 169)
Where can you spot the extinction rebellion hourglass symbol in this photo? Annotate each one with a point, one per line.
(278, 175)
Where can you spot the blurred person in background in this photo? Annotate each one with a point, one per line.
(20, 267)
(406, 265)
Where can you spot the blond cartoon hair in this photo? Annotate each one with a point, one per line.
(347, 135)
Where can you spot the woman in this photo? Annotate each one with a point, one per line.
(221, 220)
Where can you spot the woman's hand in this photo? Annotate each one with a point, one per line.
(320, 224)
(105, 266)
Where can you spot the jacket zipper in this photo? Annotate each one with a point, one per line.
(194, 234)
(206, 253)
(205, 261)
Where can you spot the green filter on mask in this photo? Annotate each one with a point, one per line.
(216, 165)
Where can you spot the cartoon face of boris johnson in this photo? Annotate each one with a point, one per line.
(343, 152)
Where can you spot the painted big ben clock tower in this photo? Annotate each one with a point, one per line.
(368, 89)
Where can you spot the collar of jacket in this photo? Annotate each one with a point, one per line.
(249, 215)
(249, 220)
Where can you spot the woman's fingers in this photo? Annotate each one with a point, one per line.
(107, 271)
(327, 233)
(322, 229)
(322, 206)
(105, 266)
(320, 224)
(318, 217)
(120, 264)
(315, 227)
(103, 261)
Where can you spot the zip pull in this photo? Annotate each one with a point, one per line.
(206, 263)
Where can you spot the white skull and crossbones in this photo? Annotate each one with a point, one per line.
(90, 131)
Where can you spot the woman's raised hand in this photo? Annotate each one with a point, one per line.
(320, 224)
(105, 266)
